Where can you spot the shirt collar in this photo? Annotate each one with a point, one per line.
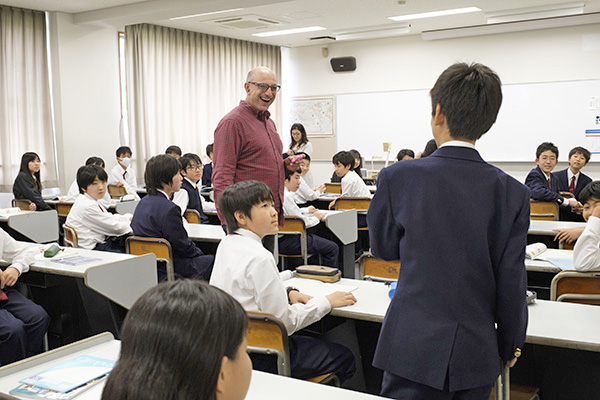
(248, 234)
(459, 143)
(258, 114)
(570, 174)
(164, 193)
(194, 184)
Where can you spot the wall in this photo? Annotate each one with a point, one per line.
(85, 79)
(408, 63)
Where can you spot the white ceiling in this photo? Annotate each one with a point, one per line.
(337, 16)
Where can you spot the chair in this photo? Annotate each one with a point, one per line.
(192, 216)
(23, 204)
(333, 188)
(567, 195)
(375, 269)
(71, 238)
(576, 287)
(63, 208)
(116, 192)
(161, 248)
(353, 203)
(268, 335)
(294, 225)
(543, 211)
(520, 392)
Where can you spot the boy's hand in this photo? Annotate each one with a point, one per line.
(341, 299)
(32, 207)
(312, 209)
(297, 297)
(320, 189)
(578, 209)
(290, 152)
(568, 235)
(331, 205)
(8, 277)
(319, 215)
(573, 203)
(119, 184)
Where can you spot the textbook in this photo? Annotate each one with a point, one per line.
(36, 392)
(71, 374)
(561, 258)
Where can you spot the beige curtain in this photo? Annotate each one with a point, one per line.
(180, 84)
(25, 107)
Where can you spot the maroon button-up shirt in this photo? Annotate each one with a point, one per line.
(248, 147)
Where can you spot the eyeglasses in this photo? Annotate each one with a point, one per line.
(264, 87)
(196, 167)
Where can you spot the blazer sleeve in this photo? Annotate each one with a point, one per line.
(539, 188)
(511, 285)
(23, 188)
(177, 236)
(384, 240)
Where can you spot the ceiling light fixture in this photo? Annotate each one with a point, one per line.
(523, 14)
(372, 33)
(432, 14)
(289, 31)
(207, 13)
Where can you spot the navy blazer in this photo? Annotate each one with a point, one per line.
(23, 188)
(459, 227)
(194, 201)
(538, 185)
(207, 174)
(566, 214)
(156, 216)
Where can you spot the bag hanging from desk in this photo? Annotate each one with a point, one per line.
(318, 272)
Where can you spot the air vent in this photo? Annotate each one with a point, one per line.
(244, 22)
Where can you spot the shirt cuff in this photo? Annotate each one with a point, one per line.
(18, 267)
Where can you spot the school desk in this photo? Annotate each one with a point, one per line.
(116, 206)
(205, 233)
(546, 228)
(38, 226)
(343, 225)
(263, 386)
(540, 274)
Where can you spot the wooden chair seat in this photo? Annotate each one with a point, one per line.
(161, 248)
(71, 239)
(543, 211)
(294, 225)
(373, 268)
(23, 204)
(576, 287)
(333, 188)
(116, 192)
(63, 208)
(192, 216)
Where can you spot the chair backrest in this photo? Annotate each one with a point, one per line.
(576, 287)
(63, 208)
(294, 225)
(543, 211)
(333, 187)
(70, 238)
(373, 268)
(567, 195)
(23, 204)
(192, 216)
(116, 192)
(352, 203)
(161, 248)
(267, 335)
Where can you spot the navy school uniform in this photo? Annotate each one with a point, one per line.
(566, 214)
(194, 201)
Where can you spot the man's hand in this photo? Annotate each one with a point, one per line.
(569, 235)
(297, 297)
(290, 165)
(8, 277)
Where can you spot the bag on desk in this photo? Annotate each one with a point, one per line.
(318, 272)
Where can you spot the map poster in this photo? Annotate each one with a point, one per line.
(315, 113)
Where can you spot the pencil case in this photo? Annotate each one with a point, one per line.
(51, 251)
(318, 272)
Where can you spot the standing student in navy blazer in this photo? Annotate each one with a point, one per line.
(573, 180)
(459, 227)
(157, 216)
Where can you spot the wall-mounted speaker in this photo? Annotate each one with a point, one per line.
(343, 64)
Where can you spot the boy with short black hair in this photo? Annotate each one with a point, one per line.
(92, 222)
(586, 253)
(405, 154)
(247, 271)
(459, 306)
(573, 180)
(123, 174)
(352, 184)
(208, 167)
(305, 193)
(173, 151)
(74, 192)
(189, 196)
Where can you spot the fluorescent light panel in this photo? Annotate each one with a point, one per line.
(208, 13)
(523, 14)
(372, 34)
(290, 31)
(432, 14)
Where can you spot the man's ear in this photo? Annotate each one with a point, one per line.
(438, 117)
(241, 218)
(222, 376)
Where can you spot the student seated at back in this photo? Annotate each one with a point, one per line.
(123, 174)
(23, 323)
(586, 253)
(208, 168)
(93, 223)
(542, 184)
(182, 340)
(405, 154)
(573, 180)
(174, 151)
(305, 193)
(157, 216)
(356, 167)
(28, 184)
(73, 192)
(316, 245)
(247, 271)
(189, 195)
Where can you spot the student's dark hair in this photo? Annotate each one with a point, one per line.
(306, 155)
(356, 154)
(186, 159)
(209, 149)
(95, 161)
(405, 152)
(343, 157)
(160, 170)
(242, 196)
(173, 341)
(545, 147)
(470, 97)
(591, 190)
(583, 151)
(430, 147)
(25, 160)
(303, 137)
(123, 150)
(289, 173)
(172, 149)
(87, 174)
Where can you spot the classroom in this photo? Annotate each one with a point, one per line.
(546, 50)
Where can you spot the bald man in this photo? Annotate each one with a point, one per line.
(247, 145)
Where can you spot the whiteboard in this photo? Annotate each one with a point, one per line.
(559, 112)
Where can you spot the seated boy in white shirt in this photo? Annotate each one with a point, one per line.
(586, 253)
(352, 184)
(247, 271)
(123, 174)
(73, 192)
(93, 223)
(290, 244)
(304, 193)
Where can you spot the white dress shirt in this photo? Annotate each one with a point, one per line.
(93, 223)
(586, 253)
(21, 254)
(182, 199)
(305, 148)
(354, 186)
(305, 193)
(73, 193)
(130, 181)
(247, 271)
(291, 208)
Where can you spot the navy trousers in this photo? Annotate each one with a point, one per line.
(396, 387)
(23, 325)
(329, 251)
